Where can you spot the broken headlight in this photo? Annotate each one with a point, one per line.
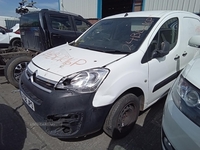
(84, 81)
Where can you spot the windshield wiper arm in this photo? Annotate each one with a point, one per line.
(117, 52)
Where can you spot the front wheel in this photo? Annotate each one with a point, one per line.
(15, 67)
(122, 116)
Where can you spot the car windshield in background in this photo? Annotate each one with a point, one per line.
(122, 35)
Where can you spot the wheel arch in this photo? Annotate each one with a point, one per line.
(114, 88)
(123, 114)
(15, 38)
(137, 92)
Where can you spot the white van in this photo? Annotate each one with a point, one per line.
(121, 65)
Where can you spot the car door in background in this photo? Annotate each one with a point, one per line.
(4, 38)
(81, 25)
(61, 29)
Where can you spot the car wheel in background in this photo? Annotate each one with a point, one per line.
(15, 67)
(16, 42)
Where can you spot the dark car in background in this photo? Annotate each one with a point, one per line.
(42, 30)
(45, 29)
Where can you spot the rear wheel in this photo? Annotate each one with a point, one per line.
(16, 42)
(15, 67)
(122, 116)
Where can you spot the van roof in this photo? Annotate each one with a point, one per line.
(155, 13)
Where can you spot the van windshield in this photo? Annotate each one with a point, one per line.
(118, 35)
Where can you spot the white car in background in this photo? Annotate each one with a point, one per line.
(10, 37)
(181, 118)
(15, 29)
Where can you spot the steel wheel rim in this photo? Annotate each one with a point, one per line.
(19, 69)
(127, 116)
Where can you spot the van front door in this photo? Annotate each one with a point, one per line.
(163, 69)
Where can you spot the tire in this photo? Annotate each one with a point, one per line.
(14, 68)
(122, 116)
(16, 42)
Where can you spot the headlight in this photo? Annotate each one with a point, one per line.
(84, 81)
(187, 98)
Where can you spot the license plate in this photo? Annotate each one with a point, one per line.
(28, 101)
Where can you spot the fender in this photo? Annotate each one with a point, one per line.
(13, 38)
(117, 83)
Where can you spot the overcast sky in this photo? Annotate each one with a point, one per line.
(7, 7)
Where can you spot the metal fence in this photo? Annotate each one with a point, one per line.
(10, 23)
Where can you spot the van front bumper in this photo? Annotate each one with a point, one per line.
(62, 113)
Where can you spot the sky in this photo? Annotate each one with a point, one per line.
(7, 7)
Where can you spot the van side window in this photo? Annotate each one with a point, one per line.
(168, 32)
(81, 25)
(61, 23)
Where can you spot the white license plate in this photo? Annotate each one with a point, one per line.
(28, 101)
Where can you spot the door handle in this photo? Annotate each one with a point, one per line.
(184, 54)
(177, 57)
(56, 35)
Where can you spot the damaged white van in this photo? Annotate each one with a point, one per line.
(120, 66)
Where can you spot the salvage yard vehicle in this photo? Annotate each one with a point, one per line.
(40, 30)
(180, 122)
(120, 66)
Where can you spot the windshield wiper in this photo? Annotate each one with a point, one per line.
(73, 43)
(117, 52)
(104, 50)
(88, 47)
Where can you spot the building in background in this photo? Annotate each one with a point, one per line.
(96, 9)
(8, 22)
(187, 5)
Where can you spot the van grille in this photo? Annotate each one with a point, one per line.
(39, 81)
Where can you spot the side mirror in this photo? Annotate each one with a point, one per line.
(194, 41)
(165, 48)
